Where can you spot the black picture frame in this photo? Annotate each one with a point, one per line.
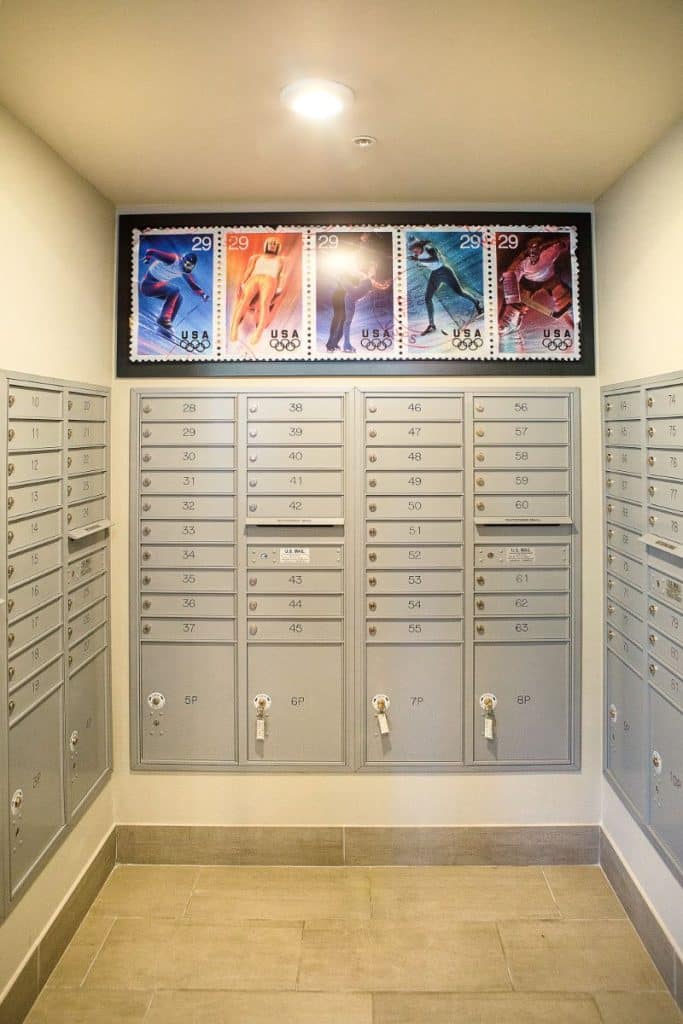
(582, 367)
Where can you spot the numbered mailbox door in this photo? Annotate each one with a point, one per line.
(35, 786)
(423, 717)
(626, 731)
(86, 730)
(666, 774)
(187, 704)
(297, 692)
(531, 685)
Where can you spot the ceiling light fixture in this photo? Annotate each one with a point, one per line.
(316, 99)
(364, 141)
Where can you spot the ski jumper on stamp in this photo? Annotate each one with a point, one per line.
(166, 272)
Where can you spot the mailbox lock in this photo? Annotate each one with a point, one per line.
(372, 482)
(372, 508)
(70, 405)
(146, 482)
(479, 408)
(372, 555)
(11, 706)
(650, 401)
(146, 604)
(610, 559)
(652, 608)
(652, 490)
(372, 531)
(480, 506)
(610, 634)
(69, 518)
(253, 483)
(70, 632)
(610, 532)
(372, 580)
(16, 801)
(146, 555)
(253, 581)
(488, 703)
(608, 406)
(372, 458)
(156, 701)
(652, 520)
(10, 638)
(147, 628)
(146, 531)
(652, 638)
(480, 605)
(652, 668)
(252, 458)
(146, 433)
(69, 489)
(10, 604)
(610, 608)
(253, 408)
(609, 456)
(373, 433)
(253, 630)
(253, 433)
(610, 584)
(650, 431)
(651, 460)
(480, 629)
(481, 580)
(610, 507)
(372, 606)
(252, 508)
(73, 739)
(10, 672)
(10, 502)
(380, 703)
(10, 536)
(10, 401)
(372, 630)
(146, 457)
(147, 580)
(10, 434)
(147, 408)
(146, 507)
(10, 570)
(69, 461)
(609, 431)
(372, 408)
(480, 432)
(262, 702)
(480, 457)
(480, 481)
(610, 484)
(657, 762)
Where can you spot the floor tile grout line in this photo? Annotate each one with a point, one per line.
(149, 1006)
(505, 958)
(98, 951)
(552, 894)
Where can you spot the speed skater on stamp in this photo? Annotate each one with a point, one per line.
(260, 288)
(166, 272)
(535, 270)
(426, 254)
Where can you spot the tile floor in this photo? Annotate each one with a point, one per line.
(384, 945)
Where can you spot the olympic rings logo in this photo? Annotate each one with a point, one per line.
(285, 346)
(472, 344)
(375, 345)
(557, 346)
(195, 346)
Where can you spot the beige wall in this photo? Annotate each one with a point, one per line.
(56, 239)
(639, 229)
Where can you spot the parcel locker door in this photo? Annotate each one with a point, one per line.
(626, 746)
(531, 685)
(187, 704)
(419, 690)
(86, 728)
(36, 790)
(298, 692)
(666, 774)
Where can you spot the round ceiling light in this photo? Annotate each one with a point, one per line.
(316, 99)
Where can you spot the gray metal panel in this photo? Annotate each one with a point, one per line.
(408, 507)
(410, 433)
(625, 514)
(666, 774)
(414, 531)
(514, 433)
(36, 530)
(625, 723)
(297, 432)
(295, 458)
(153, 506)
(34, 402)
(414, 459)
(521, 458)
(667, 432)
(86, 728)
(411, 556)
(187, 458)
(665, 401)
(625, 432)
(516, 406)
(183, 433)
(33, 434)
(34, 498)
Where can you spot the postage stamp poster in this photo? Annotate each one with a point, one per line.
(174, 291)
(264, 288)
(354, 291)
(445, 297)
(537, 309)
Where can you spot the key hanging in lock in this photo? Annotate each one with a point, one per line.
(262, 704)
(487, 703)
(380, 703)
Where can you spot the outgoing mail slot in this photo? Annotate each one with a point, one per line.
(528, 604)
(34, 562)
(521, 458)
(29, 403)
(665, 494)
(520, 407)
(34, 498)
(629, 488)
(81, 488)
(188, 630)
(417, 582)
(626, 595)
(625, 406)
(86, 434)
(33, 435)
(82, 569)
(187, 458)
(86, 723)
(626, 568)
(88, 594)
(516, 433)
(86, 512)
(302, 631)
(492, 581)
(295, 458)
(665, 524)
(665, 649)
(414, 532)
(521, 482)
(188, 581)
(625, 541)
(412, 506)
(623, 513)
(522, 508)
(626, 738)
(154, 507)
(187, 532)
(521, 630)
(669, 620)
(414, 631)
(625, 621)
(624, 460)
(295, 507)
(665, 588)
(36, 768)
(414, 458)
(624, 432)
(321, 606)
(666, 774)
(522, 555)
(628, 650)
(315, 556)
(429, 556)
(82, 406)
(86, 621)
(35, 689)
(294, 407)
(32, 627)
(86, 460)
(296, 433)
(295, 581)
(32, 659)
(213, 556)
(35, 530)
(90, 645)
(205, 606)
(192, 482)
(27, 467)
(413, 407)
(32, 595)
(410, 433)
(668, 682)
(188, 433)
(186, 408)
(294, 483)
(407, 606)
(665, 432)
(416, 482)
(666, 462)
(665, 401)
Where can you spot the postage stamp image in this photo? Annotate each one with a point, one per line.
(536, 292)
(264, 308)
(354, 294)
(174, 295)
(445, 293)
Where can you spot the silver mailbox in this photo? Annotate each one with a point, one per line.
(626, 731)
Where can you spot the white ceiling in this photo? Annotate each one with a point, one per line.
(176, 101)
